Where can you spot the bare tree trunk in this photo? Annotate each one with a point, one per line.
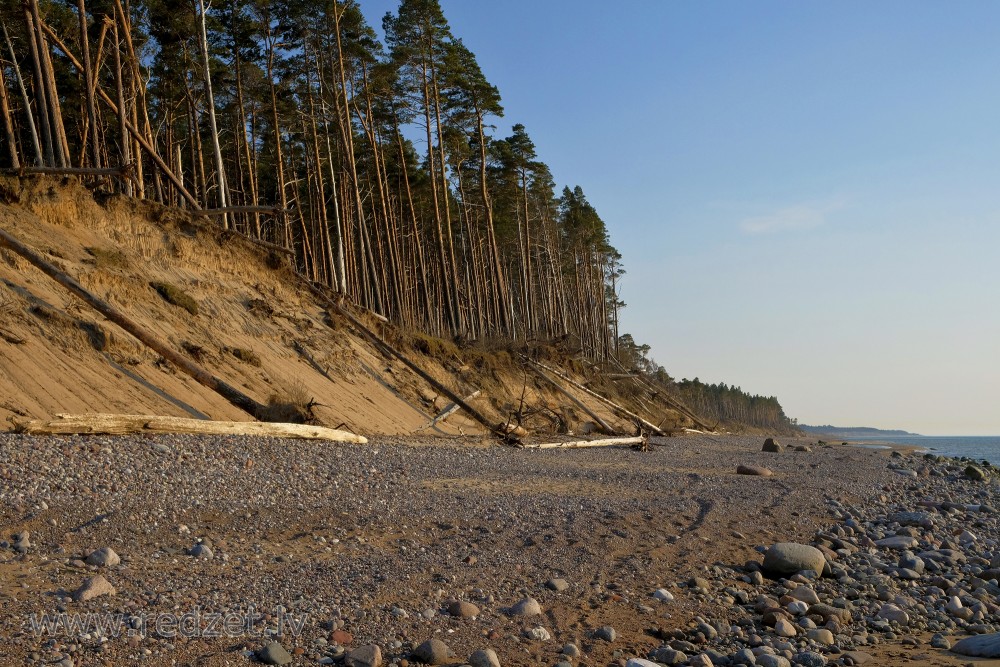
(126, 146)
(24, 96)
(8, 125)
(88, 77)
(220, 167)
(146, 145)
(60, 144)
(40, 90)
(279, 159)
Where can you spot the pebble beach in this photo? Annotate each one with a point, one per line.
(194, 550)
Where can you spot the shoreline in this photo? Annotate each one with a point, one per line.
(376, 544)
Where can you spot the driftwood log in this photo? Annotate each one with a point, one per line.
(448, 411)
(112, 424)
(576, 444)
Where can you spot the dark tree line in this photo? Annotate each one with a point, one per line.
(732, 405)
(375, 163)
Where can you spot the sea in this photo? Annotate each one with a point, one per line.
(974, 447)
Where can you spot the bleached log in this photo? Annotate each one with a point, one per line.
(448, 411)
(114, 424)
(576, 444)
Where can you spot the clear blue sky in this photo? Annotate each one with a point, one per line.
(806, 194)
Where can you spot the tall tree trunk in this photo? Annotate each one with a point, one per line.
(89, 76)
(126, 143)
(220, 167)
(8, 124)
(40, 89)
(26, 101)
(279, 159)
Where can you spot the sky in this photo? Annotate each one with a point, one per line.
(805, 193)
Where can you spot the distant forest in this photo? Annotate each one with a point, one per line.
(376, 164)
(721, 403)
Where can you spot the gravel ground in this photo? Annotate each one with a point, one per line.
(373, 544)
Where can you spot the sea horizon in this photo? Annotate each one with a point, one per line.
(978, 447)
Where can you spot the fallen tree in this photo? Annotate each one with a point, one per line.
(114, 424)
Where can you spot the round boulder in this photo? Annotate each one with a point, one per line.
(789, 558)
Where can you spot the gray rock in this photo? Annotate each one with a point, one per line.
(700, 660)
(805, 594)
(202, 551)
(809, 659)
(606, 632)
(771, 445)
(640, 662)
(940, 641)
(484, 658)
(768, 660)
(103, 557)
(663, 595)
(23, 542)
(364, 656)
(669, 656)
(93, 587)
(743, 657)
(922, 519)
(789, 558)
(891, 612)
(571, 650)
(977, 474)
(538, 634)
(557, 585)
(526, 607)
(979, 646)
(783, 628)
(274, 654)
(858, 657)
(897, 542)
(433, 652)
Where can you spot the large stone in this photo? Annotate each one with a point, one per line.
(364, 656)
(821, 636)
(771, 445)
(526, 607)
(897, 542)
(805, 594)
(641, 662)
(274, 654)
(433, 652)
(103, 557)
(789, 558)
(975, 473)
(783, 628)
(484, 658)
(557, 585)
(93, 587)
(979, 646)
(768, 660)
(606, 632)
(759, 471)
(891, 612)
(463, 609)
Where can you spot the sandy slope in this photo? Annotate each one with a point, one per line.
(57, 355)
